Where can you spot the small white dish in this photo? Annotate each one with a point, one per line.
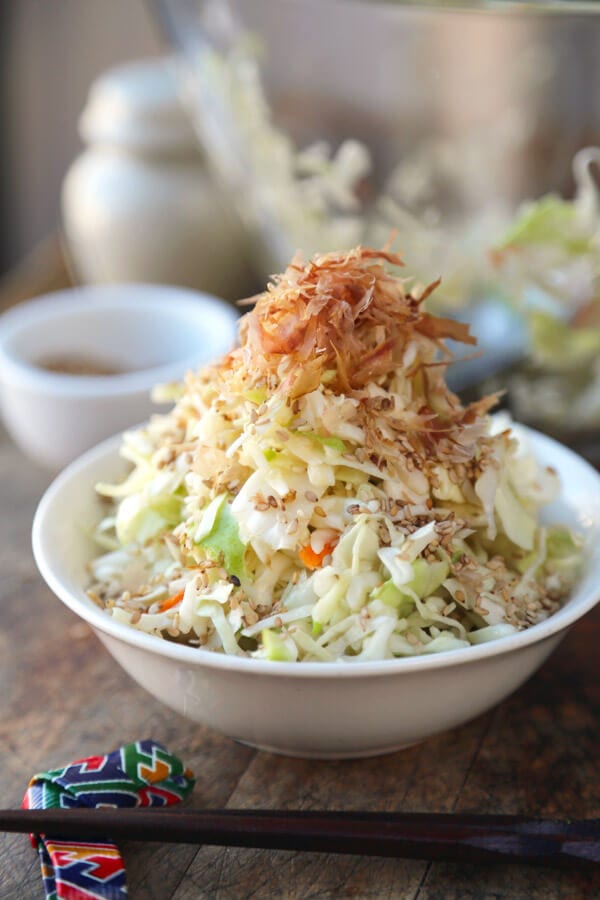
(147, 334)
(321, 710)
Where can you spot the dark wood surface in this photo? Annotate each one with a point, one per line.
(46, 268)
(63, 697)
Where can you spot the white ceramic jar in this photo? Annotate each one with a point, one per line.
(138, 204)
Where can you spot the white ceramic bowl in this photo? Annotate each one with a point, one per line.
(151, 334)
(314, 709)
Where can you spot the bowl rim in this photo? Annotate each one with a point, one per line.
(558, 622)
(184, 305)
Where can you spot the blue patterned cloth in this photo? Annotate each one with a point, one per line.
(140, 774)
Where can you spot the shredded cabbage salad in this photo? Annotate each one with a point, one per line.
(548, 264)
(320, 494)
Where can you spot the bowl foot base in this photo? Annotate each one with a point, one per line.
(328, 754)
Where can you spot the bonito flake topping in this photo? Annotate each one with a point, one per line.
(320, 494)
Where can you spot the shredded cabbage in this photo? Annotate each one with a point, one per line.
(320, 494)
(547, 265)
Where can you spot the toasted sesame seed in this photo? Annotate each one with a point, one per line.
(311, 496)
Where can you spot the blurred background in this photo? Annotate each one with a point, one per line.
(468, 131)
(50, 54)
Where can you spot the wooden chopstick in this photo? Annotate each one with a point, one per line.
(457, 837)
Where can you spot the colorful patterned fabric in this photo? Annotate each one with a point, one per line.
(139, 774)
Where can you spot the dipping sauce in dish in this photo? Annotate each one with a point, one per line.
(78, 365)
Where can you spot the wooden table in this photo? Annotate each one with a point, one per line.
(63, 697)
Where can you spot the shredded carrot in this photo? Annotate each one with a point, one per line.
(170, 602)
(314, 560)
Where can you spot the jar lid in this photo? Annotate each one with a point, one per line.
(137, 106)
